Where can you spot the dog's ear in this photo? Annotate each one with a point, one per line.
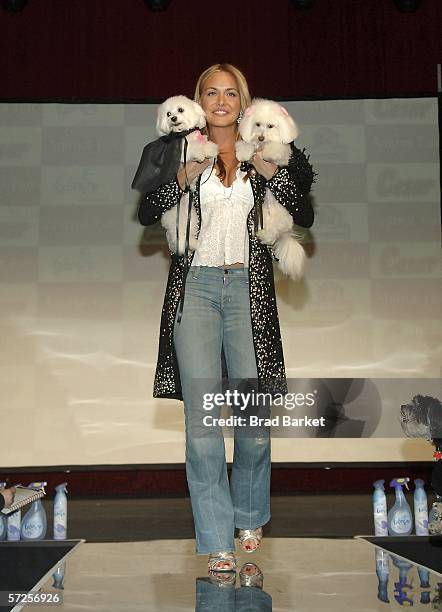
(199, 114)
(162, 125)
(287, 127)
(246, 125)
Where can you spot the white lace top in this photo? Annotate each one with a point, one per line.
(223, 237)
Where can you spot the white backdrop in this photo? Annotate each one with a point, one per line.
(82, 282)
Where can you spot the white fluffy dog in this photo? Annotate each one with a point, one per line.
(180, 213)
(180, 114)
(267, 127)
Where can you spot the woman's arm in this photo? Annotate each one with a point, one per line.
(291, 185)
(155, 203)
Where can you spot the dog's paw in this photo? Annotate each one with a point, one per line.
(244, 150)
(277, 153)
(210, 149)
(196, 151)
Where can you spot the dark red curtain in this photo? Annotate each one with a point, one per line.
(119, 50)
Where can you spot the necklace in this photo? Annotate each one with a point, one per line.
(228, 197)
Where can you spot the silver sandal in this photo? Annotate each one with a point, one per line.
(250, 534)
(222, 557)
(251, 580)
(222, 579)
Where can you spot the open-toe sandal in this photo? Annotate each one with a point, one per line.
(245, 535)
(247, 579)
(222, 579)
(217, 559)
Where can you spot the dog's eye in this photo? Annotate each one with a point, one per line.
(257, 124)
(168, 114)
(270, 125)
(181, 110)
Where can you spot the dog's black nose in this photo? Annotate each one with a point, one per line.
(260, 138)
(174, 118)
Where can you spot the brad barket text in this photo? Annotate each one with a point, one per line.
(284, 420)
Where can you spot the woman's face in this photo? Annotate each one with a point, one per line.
(220, 99)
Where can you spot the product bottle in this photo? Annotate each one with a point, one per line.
(402, 589)
(435, 516)
(60, 512)
(58, 575)
(3, 519)
(382, 572)
(34, 524)
(400, 518)
(380, 509)
(420, 508)
(424, 577)
(14, 525)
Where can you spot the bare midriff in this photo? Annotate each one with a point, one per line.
(237, 264)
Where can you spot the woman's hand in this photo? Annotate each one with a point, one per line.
(192, 170)
(8, 495)
(265, 168)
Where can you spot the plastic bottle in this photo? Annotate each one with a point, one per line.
(424, 577)
(3, 519)
(34, 524)
(434, 518)
(420, 508)
(59, 575)
(60, 512)
(380, 509)
(402, 589)
(400, 518)
(383, 573)
(14, 526)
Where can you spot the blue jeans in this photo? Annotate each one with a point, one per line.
(216, 314)
(214, 598)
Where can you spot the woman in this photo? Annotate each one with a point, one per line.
(229, 307)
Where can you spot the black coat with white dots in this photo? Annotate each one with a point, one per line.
(290, 186)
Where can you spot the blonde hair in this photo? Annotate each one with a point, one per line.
(241, 81)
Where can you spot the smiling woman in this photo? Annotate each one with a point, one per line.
(230, 308)
(223, 93)
(220, 100)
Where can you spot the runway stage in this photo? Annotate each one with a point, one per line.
(300, 575)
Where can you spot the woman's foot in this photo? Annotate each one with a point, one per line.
(222, 562)
(251, 575)
(250, 539)
(223, 579)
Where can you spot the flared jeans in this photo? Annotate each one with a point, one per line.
(216, 316)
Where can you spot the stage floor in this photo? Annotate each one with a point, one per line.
(300, 574)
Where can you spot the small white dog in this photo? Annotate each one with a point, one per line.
(179, 214)
(175, 115)
(180, 114)
(267, 127)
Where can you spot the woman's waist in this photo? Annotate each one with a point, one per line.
(237, 269)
